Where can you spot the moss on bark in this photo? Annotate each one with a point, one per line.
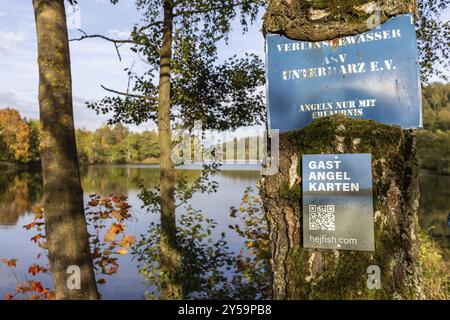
(302, 273)
(317, 20)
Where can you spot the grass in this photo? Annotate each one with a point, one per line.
(435, 269)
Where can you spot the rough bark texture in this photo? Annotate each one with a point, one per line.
(302, 273)
(65, 224)
(318, 20)
(170, 257)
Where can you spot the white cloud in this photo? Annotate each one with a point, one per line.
(9, 40)
(2, 14)
(120, 34)
(27, 106)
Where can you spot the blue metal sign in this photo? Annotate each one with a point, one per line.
(373, 75)
(337, 201)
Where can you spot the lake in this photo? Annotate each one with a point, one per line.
(20, 191)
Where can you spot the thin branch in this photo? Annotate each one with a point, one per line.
(124, 93)
(117, 42)
(130, 76)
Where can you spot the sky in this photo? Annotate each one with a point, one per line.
(94, 61)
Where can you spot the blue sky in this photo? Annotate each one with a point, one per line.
(94, 61)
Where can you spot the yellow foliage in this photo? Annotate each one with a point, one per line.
(16, 134)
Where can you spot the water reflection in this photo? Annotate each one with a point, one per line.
(209, 268)
(19, 191)
(219, 262)
(435, 206)
(121, 179)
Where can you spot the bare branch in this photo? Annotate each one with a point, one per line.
(117, 42)
(131, 95)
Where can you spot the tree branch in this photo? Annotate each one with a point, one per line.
(117, 42)
(131, 95)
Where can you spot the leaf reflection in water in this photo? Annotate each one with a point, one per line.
(209, 269)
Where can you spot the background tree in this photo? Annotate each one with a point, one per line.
(185, 82)
(433, 36)
(16, 136)
(115, 145)
(65, 224)
(433, 141)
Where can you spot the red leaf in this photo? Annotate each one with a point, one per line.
(36, 237)
(10, 263)
(37, 286)
(29, 226)
(34, 269)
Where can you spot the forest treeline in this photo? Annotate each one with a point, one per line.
(117, 145)
(19, 143)
(19, 138)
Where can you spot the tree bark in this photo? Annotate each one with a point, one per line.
(319, 20)
(169, 254)
(302, 273)
(65, 225)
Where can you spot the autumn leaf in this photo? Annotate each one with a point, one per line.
(37, 286)
(38, 211)
(116, 214)
(30, 225)
(34, 269)
(127, 241)
(36, 237)
(122, 251)
(113, 231)
(10, 263)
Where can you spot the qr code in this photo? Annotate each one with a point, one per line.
(321, 217)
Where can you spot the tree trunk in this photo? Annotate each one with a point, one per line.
(303, 273)
(320, 20)
(65, 224)
(169, 254)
